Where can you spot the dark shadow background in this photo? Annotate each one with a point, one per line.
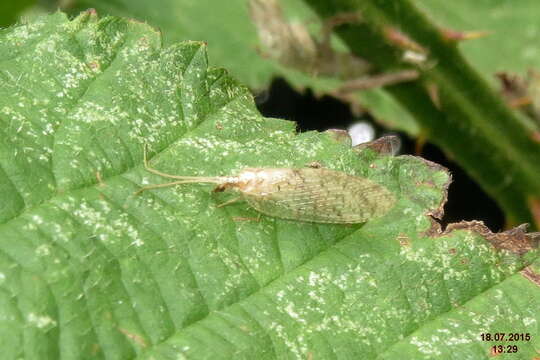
(466, 200)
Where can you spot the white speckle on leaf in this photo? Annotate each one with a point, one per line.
(427, 347)
(38, 220)
(292, 342)
(137, 243)
(464, 338)
(43, 250)
(313, 278)
(40, 321)
(290, 310)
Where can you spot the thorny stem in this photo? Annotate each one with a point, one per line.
(377, 80)
(470, 121)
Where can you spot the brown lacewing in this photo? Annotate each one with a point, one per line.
(308, 194)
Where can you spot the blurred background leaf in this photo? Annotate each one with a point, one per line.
(10, 11)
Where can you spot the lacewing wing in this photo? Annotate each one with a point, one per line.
(308, 194)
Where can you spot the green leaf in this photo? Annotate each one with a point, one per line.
(90, 270)
(11, 10)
